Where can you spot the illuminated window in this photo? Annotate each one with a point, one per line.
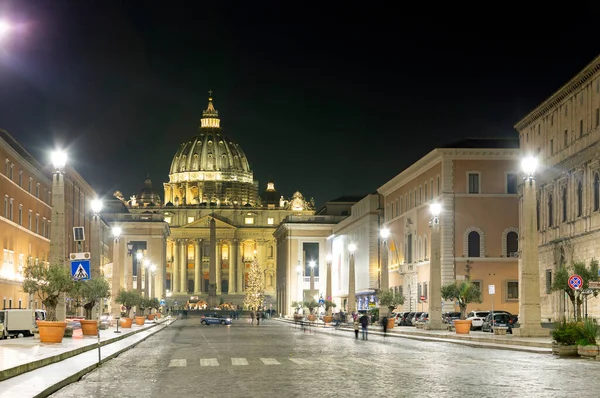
(249, 220)
(270, 221)
(190, 220)
(168, 220)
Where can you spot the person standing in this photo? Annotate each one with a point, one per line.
(356, 329)
(364, 323)
(384, 322)
(258, 317)
(252, 315)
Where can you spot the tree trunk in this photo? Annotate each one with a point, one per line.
(50, 302)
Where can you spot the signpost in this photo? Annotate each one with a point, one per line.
(492, 291)
(575, 283)
(80, 269)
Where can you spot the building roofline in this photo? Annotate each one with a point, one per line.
(576, 82)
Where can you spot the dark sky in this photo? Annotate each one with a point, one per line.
(328, 101)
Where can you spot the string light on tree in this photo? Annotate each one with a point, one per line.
(255, 289)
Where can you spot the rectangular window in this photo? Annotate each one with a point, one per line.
(512, 290)
(20, 219)
(270, 221)
(21, 178)
(425, 290)
(37, 223)
(473, 182)
(566, 135)
(249, 220)
(6, 166)
(408, 258)
(29, 184)
(511, 183)
(10, 171)
(551, 147)
(44, 226)
(419, 291)
(311, 253)
(597, 117)
(6, 206)
(37, 190)
(479, 284)
(190, 220)
(29, 220)
(581, 128)
(10, 209)
(548, 281)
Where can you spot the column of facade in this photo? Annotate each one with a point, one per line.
(240, 268)
(183, 269)
(219, 265)
(197, 266)
(175, 265)
(233, 265)
(161, 268)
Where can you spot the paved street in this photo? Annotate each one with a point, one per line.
(277, 359)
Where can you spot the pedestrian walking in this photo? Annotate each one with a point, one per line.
(356, 329)
(257, 317)
(364, 323)
(252, 315)
(384, 322)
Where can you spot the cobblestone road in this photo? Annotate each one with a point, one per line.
(278, 360)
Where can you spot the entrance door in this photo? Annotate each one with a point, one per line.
(224, 286)
(190, 287)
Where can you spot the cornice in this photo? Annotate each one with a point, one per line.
(567, 89)
(412, 171)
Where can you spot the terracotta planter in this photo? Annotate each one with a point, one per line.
(126, 323)
(89, 327)
(51, 332)
(151, 317)
(390, 323)
(139, 320)
(312, 317)
(158, 315)
(587, 351)
(565, 350)
(462, 326)
(327, 318)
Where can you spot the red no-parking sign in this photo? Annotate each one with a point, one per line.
(575, 282)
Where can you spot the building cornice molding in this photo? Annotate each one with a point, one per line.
(567, 89)
(412, 171)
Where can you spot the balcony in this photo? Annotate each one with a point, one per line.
(307, 279)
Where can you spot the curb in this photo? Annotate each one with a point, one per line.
(500, 345)
(75, 377)
(28, 367)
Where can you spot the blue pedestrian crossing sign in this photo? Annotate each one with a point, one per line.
(80, 269)
(163, 302)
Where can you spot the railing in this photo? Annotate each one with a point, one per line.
(307, 279)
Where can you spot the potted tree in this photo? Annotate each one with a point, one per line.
(388, 299)
(464, 292)
(88, 293)
(128, 299)
(328, 306)
(297, 305)
(311, 305)
(48, 283)
(153, 303)
(141, 307)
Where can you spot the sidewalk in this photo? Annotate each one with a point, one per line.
(540, 345)
(29, 368)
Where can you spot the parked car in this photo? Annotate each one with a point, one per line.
(500, 320)
(477, 318)
(448, 317)
(215, 319)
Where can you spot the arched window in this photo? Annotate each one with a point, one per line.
(596, 192)
(512, 244)
(425, 248)
(550, 211)
(564, 204)
(579, 199)
(537, 213)
(473, 247)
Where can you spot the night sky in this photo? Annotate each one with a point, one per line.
(328, 101)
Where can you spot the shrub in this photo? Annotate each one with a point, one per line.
(565, 333)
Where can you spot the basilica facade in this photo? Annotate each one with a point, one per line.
(210, 179)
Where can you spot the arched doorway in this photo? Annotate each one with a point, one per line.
(190, 286)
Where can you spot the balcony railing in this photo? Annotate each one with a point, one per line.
(307, 279)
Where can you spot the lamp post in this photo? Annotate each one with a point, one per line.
(328, 258)
(137, 283)
(312, 264)
(299, 272)
(351, 280)
(529, 279)
(435, 269)
(116, 272)
(58, 247)
(95, 238)
(384, 284)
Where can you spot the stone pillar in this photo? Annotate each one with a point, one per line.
(351, 286)
(384, 277)
(183, 270)
(176, 266)
(58, 253)
(435, 276)
(219, 266)
(95, 246)
(197, 266)
(212, 274)
(241, 268)
(328, 289)
(161, 267)
(233, 265)
(530, 315)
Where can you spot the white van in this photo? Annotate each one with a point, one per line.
(19, 322)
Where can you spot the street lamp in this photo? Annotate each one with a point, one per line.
(117, 272)
(300, 282)
(328, 292)
(435, 269)
(529, 279)
(351, 280)
(384, 283)
(96, 237)
(58, 231)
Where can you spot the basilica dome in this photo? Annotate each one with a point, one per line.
(210, 168)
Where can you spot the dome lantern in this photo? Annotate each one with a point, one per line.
(210, 116)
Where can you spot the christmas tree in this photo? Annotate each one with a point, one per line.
(255, 288)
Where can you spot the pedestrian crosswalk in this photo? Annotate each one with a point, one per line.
(260, 361)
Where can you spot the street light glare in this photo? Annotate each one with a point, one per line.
(59, 159)
(529, 165)
(435, 209)
(312, 264)
(96, 206)
(351, 247)
(4, 28)
(329, 257)
(116, 231)
(384, 233)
